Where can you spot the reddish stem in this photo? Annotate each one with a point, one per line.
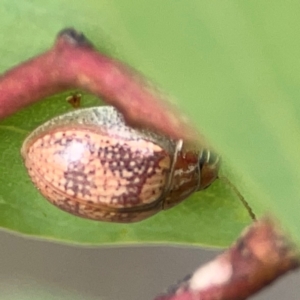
(74, 63)
(260, 256)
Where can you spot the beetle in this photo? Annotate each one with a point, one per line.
(89, 163)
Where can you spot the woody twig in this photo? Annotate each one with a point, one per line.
(260, 256)
(73, 62)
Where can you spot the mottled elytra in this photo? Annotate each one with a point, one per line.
(90, 163)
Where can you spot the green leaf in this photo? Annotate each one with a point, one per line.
(213, 217)
(229, 64)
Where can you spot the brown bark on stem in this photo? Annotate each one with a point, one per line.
(74, 63)
(260, 256)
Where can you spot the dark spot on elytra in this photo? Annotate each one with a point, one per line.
(92, 148)
(58, 141)
(106, 150)
(75, 167)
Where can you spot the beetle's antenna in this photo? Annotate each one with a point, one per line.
(240, 196)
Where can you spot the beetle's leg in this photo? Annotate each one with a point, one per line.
(240, 196)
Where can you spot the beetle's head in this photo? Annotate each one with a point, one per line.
(209, 163)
